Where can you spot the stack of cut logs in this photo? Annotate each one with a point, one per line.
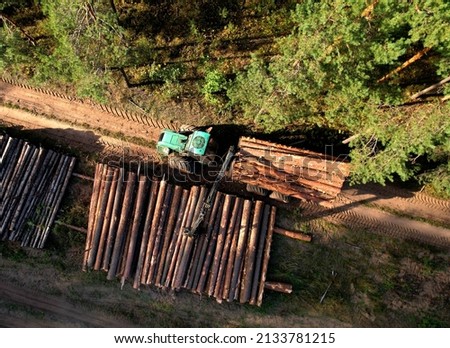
(33, 182)
(294, 172)
(136, 232)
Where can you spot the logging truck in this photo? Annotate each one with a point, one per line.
(268, 169)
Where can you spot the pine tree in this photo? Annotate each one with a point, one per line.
(343, 67)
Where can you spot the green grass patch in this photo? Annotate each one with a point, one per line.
(12, 251)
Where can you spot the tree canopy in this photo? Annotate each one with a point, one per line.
(81, 41)
(330, 70)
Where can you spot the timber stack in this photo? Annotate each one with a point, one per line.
(136, 233)
(302, 174)
(33, 182)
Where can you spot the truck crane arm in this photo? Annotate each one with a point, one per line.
(206, 206)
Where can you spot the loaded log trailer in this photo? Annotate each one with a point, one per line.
(266, 168)
(285, 172)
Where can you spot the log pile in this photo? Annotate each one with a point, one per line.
(33, 182)
(302, 174)
(136, 233)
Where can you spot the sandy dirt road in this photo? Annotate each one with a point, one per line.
(79, 113)
(49, 311)
(411, 203)
(357, 216)
(70, 135)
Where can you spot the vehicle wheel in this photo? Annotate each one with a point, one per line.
(280, 197)
(180, 163)
(256, 189)
(187, 128)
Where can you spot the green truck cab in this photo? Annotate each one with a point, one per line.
(183, 143)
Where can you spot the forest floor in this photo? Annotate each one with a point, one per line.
(382, 281)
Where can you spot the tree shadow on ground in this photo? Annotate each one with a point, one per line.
(177, 19)
(66, 140)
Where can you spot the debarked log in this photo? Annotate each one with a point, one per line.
(292, 234)
(278, 287)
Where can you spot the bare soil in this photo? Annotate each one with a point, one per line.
(71, 136)
(76, 112)
(61, 312)
(403, 225)
(412, 203)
